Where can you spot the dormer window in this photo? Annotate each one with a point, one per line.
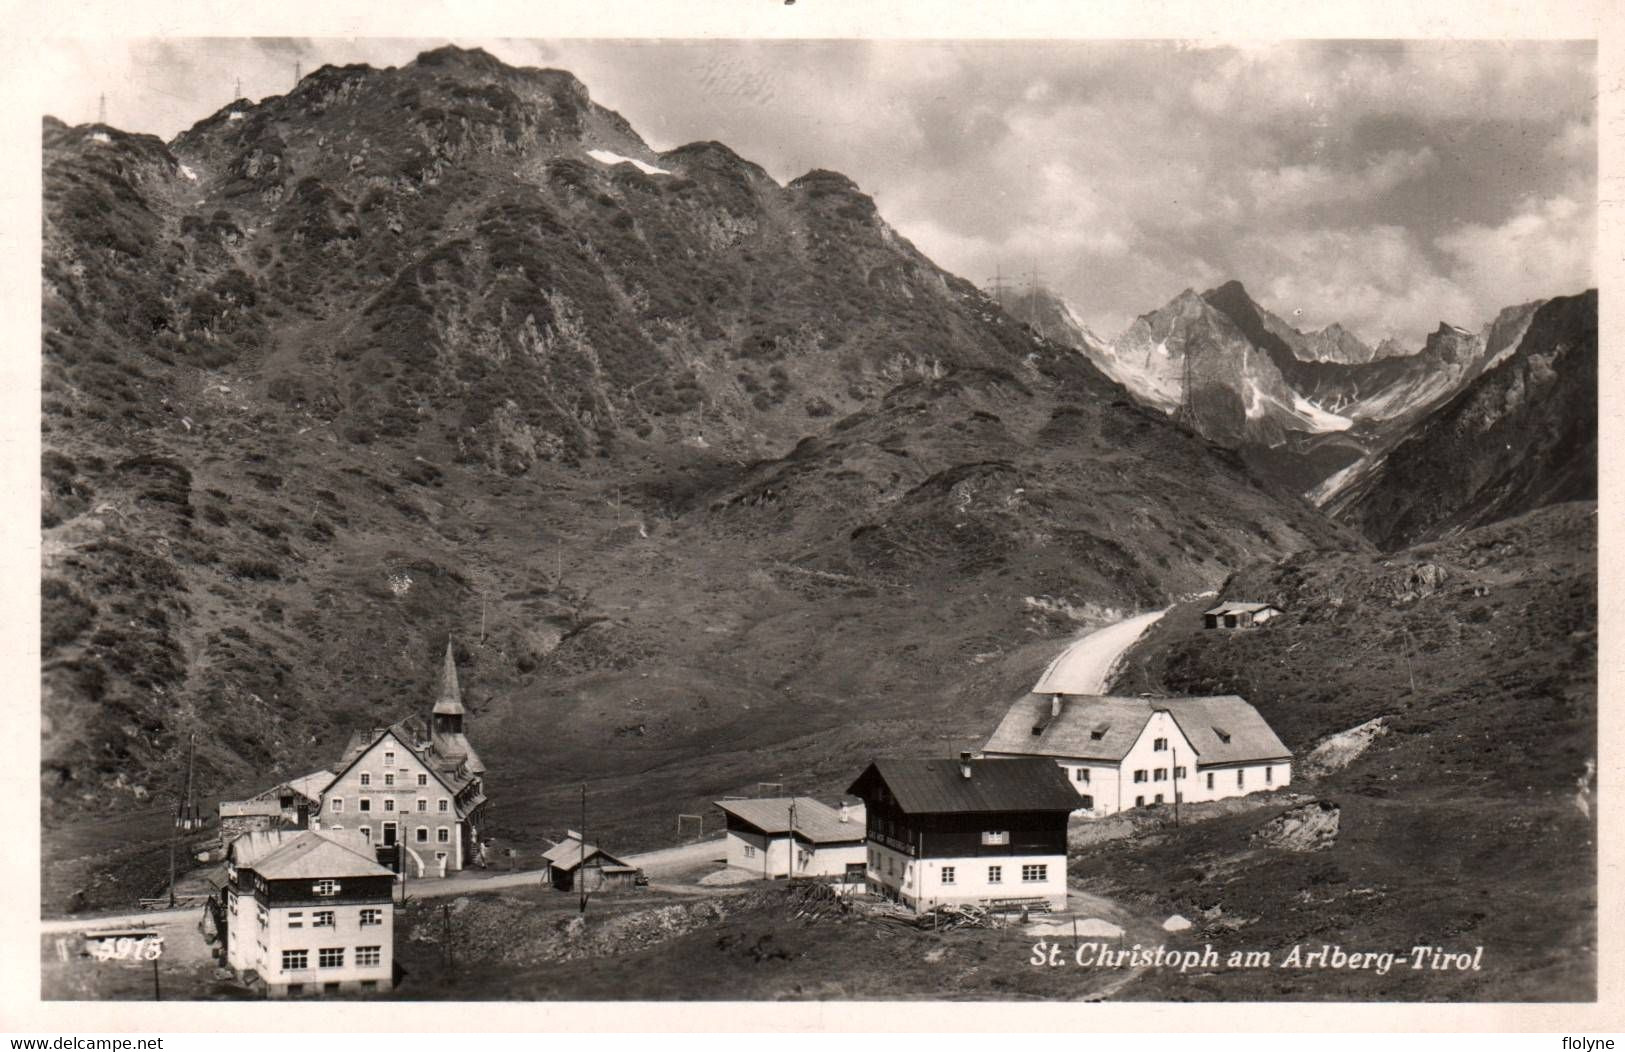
(1099, 731)
(1223, 734)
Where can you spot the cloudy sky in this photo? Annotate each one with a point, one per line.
(1387, 185)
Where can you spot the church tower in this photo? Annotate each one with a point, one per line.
(447, 717)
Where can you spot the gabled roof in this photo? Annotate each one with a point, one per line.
(309, 786)
(297, 854)
(454, 773)
(1205, 721)
(567, 854)
(315, 854)
(1241, 608)
(936, 786)
(816, 821)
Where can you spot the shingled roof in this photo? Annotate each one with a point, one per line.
(816, 821)
(1222, 729)
(929, 786)
(307, 853)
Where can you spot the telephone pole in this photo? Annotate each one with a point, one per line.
(581, 869)
(101, 108)
(238, 89)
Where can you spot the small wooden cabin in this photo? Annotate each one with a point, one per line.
(572, 865)
(1240, 615)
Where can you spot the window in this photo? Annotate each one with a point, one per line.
(295, 989)
(322, 919)
(1139, 776)
(366, 779)
(1035, 873)
(368, 956)
(995, 874)
(423, 779)
(330, 957)
(750, 851)
(331, 988)
(1139, 801)
(947, 874)
(389, 804)
(1159, 745)
(1082, 775)
(1179, 772)
(1210, 779)
(325, 887)
(423, 834)
(389, 779)
(366, 804)
(296, 919)
(442, 835)
(423, 806)
(293, 960)
(1159, 798)
(1269, 775)
(371, 918)
(995, 837)
(1241, 779)
(1088, 802)
(1160, 774)
(1223, 734)
(445, 805)
(368, 984)
(338, 804)
(389, 760)
(366, 832)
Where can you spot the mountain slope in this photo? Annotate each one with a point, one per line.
(1521, 436)
(711, 480)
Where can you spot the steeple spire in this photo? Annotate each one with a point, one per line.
(449, 702)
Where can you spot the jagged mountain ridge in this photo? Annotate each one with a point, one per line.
(395, 357)
(1521, 436)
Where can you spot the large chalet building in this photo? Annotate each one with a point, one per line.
(308, 912)
(415, 788)
(1119, 753)
(988, 832)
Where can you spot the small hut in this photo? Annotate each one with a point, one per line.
(1240, 615)
(574, 866)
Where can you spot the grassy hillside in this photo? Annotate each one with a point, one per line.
(1470, 822)
(713, 481)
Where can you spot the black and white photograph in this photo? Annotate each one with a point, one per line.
(811, 518)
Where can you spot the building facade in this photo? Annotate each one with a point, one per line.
(798, 837)
(1240, 615)
(576, 866)
(289, 805)
(309, 912)
(987, 832)
(415, 789)
(1120, 753)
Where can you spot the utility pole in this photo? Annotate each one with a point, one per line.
(298, 73)
(1410, 669)
(157, 992)
(790, 844)
(1176, 783)
(445, 927)
(101, 109)
(581, 869)
(238, 89)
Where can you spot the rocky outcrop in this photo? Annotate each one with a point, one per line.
(1307, 827)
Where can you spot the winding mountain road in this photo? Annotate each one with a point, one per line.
(1085, 666)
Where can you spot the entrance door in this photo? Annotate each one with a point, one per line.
(389, 834)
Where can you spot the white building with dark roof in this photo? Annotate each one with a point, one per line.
(797, 837)
(1119, 753)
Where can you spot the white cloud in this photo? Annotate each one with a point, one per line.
(1296, 186)
(1548, 247)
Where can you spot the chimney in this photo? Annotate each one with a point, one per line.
(964, 764)
(1054, 705)
(846, 812)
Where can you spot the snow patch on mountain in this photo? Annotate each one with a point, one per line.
(1323, 420)
(611, 158)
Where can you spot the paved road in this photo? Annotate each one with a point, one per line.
(662, 863)
(1085, 667)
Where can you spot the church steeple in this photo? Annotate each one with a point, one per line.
(448, 706)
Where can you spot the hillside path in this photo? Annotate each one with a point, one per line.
(1086, 665)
